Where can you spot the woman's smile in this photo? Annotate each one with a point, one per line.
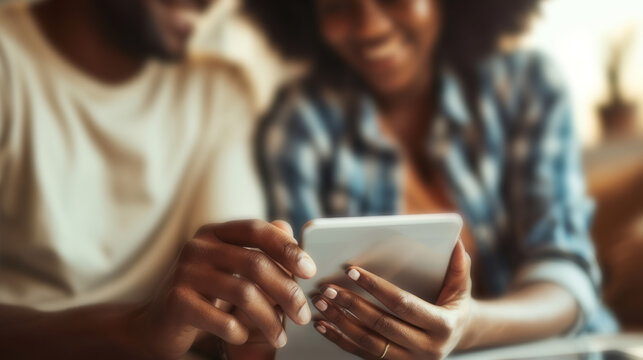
(385, 57)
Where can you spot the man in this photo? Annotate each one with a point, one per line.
(110, 159)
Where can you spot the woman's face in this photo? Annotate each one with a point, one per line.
(388, 42)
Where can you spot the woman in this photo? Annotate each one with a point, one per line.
(410, 107)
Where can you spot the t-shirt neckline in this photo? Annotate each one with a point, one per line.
(80, 77)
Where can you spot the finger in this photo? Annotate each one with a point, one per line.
(201, 314)
(267, 237)
(284, 226)
(262, 270)
(458, 279)
(376, 319)
(403, 304)
(368, 340)
(330, 333)
(241, 293)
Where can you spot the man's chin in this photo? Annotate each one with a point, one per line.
(171, 50)
(170, 56)
(167, 52)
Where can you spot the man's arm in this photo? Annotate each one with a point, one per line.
(102, 332)
(264, 255)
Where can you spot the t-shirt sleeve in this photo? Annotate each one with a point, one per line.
(5, 101)
(4, 94)
(230, 186)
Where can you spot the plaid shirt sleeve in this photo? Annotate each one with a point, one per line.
(552, 213)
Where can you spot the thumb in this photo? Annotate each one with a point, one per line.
(458, 278)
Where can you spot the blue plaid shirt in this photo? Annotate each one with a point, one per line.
(512, 164)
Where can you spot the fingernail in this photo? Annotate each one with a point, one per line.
(304, 314)
(282, 339)
(321, 305)
(330, 293)
(353, 274)
(321, 328)
(307, 266)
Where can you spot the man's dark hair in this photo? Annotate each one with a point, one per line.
(471, 30)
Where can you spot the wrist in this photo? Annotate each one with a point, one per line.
(472, 328)
(132, 332)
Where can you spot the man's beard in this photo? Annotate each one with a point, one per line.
(131, 27)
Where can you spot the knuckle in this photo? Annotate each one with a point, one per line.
(231, 330)
(382, 325)
(178, 296)
(296, 295)
(258, 262)
(256, 227)
(247, 293)
(365, 341)
(370, 284)
(289, 251)
(449, 326)
(332, 335)
(335, 316)
(445, 326)
(347, 301)
(402, 305)
(194, 249)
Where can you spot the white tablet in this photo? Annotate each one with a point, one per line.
(411, 251)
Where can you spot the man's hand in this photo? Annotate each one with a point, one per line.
(242, 265)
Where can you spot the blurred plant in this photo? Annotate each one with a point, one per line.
(618, 116)
(618, 53)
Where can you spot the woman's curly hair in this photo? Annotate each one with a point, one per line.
(471, 29)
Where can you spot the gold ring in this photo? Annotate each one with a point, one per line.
(388, 343)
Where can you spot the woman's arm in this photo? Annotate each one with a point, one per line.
(421, 330)
(532, 312)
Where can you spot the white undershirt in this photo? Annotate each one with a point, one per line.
(101, 184)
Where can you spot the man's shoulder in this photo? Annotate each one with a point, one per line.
(212, 67)
(13, 18)
(226, 78)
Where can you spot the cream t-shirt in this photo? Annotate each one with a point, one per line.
(101, 184)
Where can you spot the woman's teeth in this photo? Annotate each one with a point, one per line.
(382, 52)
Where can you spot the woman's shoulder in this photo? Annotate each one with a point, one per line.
(525, 70)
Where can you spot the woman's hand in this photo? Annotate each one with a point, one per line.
(417, 330)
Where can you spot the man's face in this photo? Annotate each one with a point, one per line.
(150, 28)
